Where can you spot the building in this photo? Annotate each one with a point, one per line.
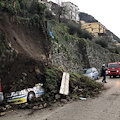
(96, 28)
(66, 10)
(71, 11)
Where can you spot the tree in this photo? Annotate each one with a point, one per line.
(37, 8)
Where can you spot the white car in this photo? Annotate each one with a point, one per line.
(1, 97)
(91, 73)
(25, 95)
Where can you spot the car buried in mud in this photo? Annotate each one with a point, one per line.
(25, 95)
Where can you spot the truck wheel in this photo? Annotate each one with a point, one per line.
(31, 96)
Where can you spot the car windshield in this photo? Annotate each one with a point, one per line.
(87, 70)
(112, 66)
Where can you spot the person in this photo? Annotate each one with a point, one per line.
(103, 73)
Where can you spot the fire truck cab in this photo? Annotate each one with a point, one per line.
(114, 69)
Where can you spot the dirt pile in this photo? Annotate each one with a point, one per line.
(23, 74)
(32, 50)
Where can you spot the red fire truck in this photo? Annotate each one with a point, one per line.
(114, 69)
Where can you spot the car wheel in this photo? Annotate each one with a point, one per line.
(110, 76)
(31, 96)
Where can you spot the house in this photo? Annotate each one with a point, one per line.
(96, 28)
(66, 10)
(71, 11)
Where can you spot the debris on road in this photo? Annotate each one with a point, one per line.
(81, 98)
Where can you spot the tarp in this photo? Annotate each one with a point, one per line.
(51, 34)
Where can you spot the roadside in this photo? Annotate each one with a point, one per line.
(105, 106)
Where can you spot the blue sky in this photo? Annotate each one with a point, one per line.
(105, 11)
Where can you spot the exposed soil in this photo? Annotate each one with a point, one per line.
(26, 40)
(32, 47)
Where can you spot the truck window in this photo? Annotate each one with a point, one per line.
(110, 66)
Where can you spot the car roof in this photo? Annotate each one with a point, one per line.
(114, 63)
(89, 68)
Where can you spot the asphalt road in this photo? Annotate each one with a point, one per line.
(105, 107)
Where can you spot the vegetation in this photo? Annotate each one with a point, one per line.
(79, 85)
(24, 9)
(7, 55)
(75, 29)
(101, 41)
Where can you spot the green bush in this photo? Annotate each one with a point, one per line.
(51, 78)
(74, 29)
(37, 8)
(102, 42)
(114, 50)
(48, 14)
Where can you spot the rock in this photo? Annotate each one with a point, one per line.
(80, 90)
(24, 74)
(54, 91)
(23, 106)
(35, 107)
(54, 101)
(37, 70)
(57, 96)
(75, 89)
(40, 106)
(2, 109)
(8, 107)
(63, 100)
(31, 71)
(41, 99)
(45, 105)
(68, 98)
(23, 78)
(2, 114)
(51, 87)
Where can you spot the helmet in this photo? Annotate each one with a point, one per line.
(103, 65)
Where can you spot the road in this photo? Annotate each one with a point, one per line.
(105, 107)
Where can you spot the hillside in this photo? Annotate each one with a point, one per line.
(73, 53)
(30, 50)
(30, 55)
(86, 17)
(89, 19)
(22, 65)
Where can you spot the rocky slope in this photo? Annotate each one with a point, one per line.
(73, 54)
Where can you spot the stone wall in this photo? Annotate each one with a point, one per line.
(73, 54)
(80, 53)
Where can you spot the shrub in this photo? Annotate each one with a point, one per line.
(51, 78)
(37, 8)
(74, 29)
(48, 14)
(102, 42)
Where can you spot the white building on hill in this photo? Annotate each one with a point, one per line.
(71, 11)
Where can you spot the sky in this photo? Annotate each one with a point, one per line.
(105, 11)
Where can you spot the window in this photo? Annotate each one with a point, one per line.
(112, 66)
